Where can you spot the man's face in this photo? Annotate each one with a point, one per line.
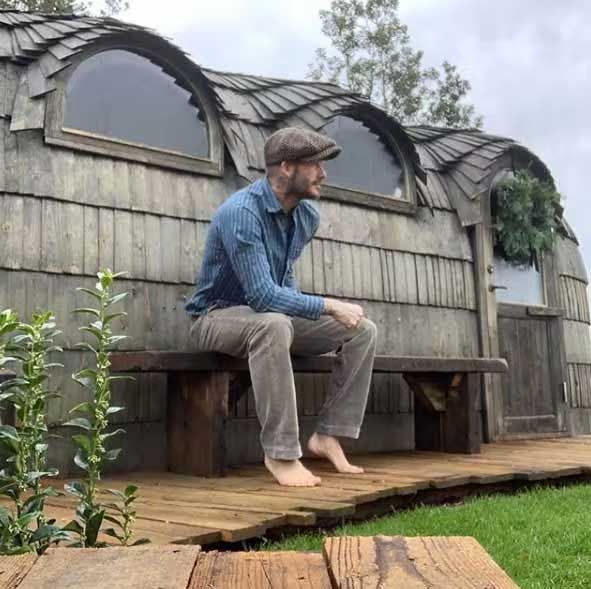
(305, 179)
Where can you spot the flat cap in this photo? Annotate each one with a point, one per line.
(295, 143)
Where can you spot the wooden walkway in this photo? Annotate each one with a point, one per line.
(249, 504)
(385, 562)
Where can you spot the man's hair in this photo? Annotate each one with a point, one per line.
(273, 170)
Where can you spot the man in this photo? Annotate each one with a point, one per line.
(247, 304)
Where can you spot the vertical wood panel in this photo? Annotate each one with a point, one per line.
(377, 289)
(328, 262)
(11, 161)
(72, 239)
(385, 274)
(106, 237)
(152, 242)
(447, 282)
(32, 229)
(11, 230)
(123, 242)
(138, 186)
(170, 250)
(412, 295)
(437, 281)
(348, 270)
(423, 293)
(121, 188)
(51, 259)
(358, 273)
(188, 268)
(401, 288)
(431, 290)
(318, 266)
(392, 274)
(305, 270)
(91, 240)
(138, 265)
(338, 279)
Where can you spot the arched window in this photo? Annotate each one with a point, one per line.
(367, 164)
(122, 103)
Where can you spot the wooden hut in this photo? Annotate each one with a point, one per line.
(116, 149)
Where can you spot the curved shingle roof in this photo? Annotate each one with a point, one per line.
(453, 166)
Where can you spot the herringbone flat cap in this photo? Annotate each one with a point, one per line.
(294, 143)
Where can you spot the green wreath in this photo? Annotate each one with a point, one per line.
(526, 216)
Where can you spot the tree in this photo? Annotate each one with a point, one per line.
(371, 54)
(82, 7)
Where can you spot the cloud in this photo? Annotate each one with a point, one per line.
(527, 62)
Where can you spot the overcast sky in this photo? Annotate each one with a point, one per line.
(527, 60)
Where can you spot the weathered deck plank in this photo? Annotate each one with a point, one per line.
(260, 570)
(165, 567)
(13, 569)
(396, 562)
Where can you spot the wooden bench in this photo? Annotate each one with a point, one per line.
(202, 387)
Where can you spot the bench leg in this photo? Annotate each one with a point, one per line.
(462, 419)
(446, 416)
(197, 412)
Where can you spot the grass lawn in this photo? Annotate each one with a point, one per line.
(541, 537)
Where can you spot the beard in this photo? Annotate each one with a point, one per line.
(302, 186)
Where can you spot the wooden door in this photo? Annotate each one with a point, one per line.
(529, 332)
(532, 390)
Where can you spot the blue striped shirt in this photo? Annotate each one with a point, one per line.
(250, 251)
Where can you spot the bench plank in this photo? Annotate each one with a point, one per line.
(394, 562)
(165, 361)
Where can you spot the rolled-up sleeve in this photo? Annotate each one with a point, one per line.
(241, 236)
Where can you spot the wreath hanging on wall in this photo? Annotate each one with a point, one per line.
(526, 216)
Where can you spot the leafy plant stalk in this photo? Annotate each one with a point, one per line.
(93, 419)
(24, 448)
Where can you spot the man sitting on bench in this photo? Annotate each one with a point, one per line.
(248, 305)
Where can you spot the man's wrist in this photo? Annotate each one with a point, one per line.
(328, 307)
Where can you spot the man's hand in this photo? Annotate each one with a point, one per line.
(346, 313)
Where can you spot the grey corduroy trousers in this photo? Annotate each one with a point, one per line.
(267, 340)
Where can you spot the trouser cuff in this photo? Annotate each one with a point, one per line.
(283, 453)
(343, 431)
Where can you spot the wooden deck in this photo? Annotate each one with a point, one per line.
(249, 504)
(394, 562)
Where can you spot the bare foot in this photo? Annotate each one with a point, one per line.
(330, 448)
(291, 473)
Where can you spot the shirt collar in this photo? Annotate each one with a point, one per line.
(270, 201)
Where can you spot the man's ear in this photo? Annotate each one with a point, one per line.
(287, 168)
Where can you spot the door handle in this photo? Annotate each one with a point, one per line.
(493, 287)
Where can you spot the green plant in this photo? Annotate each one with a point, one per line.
(24, 449)
(122, 514)
(526, 215)
(93, 419)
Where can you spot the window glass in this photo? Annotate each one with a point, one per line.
(366, 163)
(524, 283)
(121, 95)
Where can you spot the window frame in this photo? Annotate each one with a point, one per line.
(407, 205)
(77, 139)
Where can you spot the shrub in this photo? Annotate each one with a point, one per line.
(526, 216)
